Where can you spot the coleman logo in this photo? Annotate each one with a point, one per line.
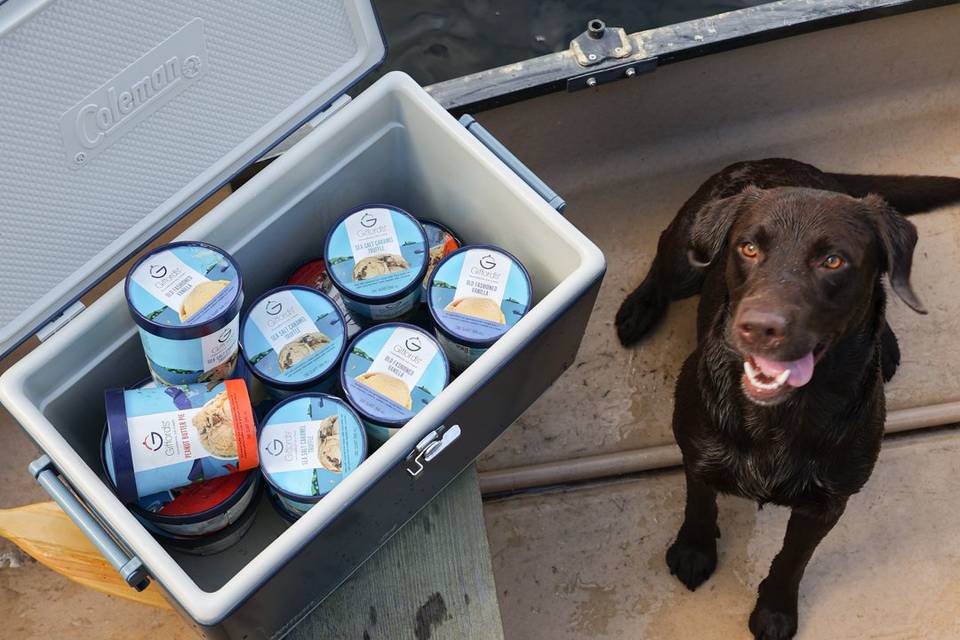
(114, 109)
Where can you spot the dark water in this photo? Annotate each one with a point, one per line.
(435, 40)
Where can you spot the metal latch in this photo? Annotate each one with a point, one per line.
(600, 42)
(430, 447)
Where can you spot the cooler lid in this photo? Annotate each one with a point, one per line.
(119, 116)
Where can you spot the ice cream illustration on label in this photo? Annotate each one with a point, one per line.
(399, 365)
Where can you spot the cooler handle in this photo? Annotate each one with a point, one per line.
(504, 154)
(131, 569)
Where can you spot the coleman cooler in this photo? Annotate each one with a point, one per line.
(121, 116)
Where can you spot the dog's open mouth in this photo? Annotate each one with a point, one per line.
(768, 381)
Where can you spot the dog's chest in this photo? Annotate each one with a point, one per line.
(764, 471)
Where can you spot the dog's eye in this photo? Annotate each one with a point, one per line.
(749, 250)
(833, 262)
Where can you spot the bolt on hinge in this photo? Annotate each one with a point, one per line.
(600, 42)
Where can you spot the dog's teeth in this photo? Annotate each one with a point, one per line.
(782, 378)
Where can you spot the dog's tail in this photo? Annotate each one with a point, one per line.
(907, 194)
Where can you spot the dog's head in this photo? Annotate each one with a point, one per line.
(802, 268)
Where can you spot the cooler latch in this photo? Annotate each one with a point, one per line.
(430, 447)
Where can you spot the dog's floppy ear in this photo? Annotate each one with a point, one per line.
(712, 223)
(897, 237)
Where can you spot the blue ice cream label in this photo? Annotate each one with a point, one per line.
(294, 335)
(478, 294)
(387, 311)
(210, 358)
(376, 252)
(309, 444)
(392, 372)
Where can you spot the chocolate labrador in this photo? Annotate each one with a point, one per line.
(782, 401)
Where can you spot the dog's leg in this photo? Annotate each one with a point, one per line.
(775, 615)
(889, 352)
(671, 277)
(693, 555)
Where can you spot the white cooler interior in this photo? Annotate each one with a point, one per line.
(392, 144)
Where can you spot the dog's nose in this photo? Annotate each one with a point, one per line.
(762, 329)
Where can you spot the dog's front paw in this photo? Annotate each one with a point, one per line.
(640, 311)
(692, 562)
(768, 623)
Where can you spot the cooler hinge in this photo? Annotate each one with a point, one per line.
(307, 127)
(60, 321)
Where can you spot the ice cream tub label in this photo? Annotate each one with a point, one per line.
(292, 339)
(185, 298)
(308, 444)
(377, 257)
(390, 372)
(476, 294)
(168, 437)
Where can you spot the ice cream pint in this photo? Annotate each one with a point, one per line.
(185, 298)
(377, 257)
(292, 339)
(308, 444)
(475, 295)
(314, 274)
(390, 373)
(169, 437)
(441, 242)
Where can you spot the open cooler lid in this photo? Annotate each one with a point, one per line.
(119, 116)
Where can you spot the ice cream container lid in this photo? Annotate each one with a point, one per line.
(392, 371)
(308, 444)
(376, 254)
(184, 290)
(215, 542)
(168, 437)
(477, 293)
(293, 336)
(441, 242)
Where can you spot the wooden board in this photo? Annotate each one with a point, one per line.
(432, 581)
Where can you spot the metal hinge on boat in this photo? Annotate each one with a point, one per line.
(599, 44)
(430, 447)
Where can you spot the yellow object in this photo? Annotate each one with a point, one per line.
(45, 532)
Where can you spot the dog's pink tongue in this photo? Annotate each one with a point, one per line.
(800, 370)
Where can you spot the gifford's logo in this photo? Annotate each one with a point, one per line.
(104, 116)
(487, 262)
(413, 344)
(367, 220)
(273, 307)
(153, 441)
(157, 271)
(225, 335)
(274, 447)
